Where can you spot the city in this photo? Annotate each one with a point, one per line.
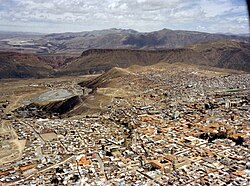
(167, 125)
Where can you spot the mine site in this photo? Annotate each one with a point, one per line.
(152, 103)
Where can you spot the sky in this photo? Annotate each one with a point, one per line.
(55, 16)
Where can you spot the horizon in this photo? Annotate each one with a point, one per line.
(46, 17)
(125, 29)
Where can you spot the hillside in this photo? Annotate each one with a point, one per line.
(16, 65)
(104, 79)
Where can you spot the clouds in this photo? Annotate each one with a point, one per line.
(142, 15)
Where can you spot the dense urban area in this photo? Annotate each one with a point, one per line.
(164, 125)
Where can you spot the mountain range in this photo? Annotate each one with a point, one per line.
(76, 43)
(119, 38)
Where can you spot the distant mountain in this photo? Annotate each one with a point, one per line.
(119, 38)
(175, 39)
(75, 43)
(245, 35)
(9, 35)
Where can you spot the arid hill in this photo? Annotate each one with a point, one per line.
(222, 54)
(104, 79)
(226, 54)
(100, 60)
